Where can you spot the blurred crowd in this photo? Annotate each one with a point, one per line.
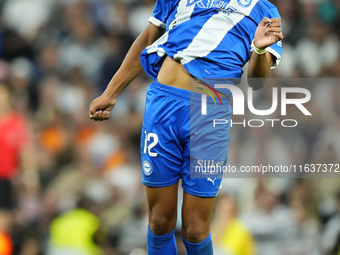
(75, 183)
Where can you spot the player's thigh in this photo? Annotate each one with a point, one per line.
(161, 146)
(162, 204)
(196, 216)
(206, 153)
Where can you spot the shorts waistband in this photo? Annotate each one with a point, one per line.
(187, 95)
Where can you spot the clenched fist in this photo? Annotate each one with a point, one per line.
(100, 108)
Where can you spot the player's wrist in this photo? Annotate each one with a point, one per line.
(111, 94)
(258, 50)
(110, 99)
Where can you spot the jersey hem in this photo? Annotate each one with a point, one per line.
(182, 94)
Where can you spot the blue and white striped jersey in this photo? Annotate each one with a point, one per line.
(211, 38)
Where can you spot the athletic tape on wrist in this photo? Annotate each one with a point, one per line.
(257, 49)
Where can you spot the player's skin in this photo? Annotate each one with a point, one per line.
(162, 202)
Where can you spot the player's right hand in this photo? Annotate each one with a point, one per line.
(100, 108)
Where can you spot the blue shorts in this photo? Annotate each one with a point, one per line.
(176, 138)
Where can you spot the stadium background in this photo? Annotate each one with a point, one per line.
(57, 55)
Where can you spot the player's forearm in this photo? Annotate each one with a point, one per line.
(129, 70)
(131, 66)
(258, 69)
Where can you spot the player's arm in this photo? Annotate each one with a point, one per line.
(131, 67)
(267, 33)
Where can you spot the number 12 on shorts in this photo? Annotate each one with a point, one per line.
(148, 148)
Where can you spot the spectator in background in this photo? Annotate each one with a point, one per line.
(15, 153)
(75, 232)
(321, 44)
(269, 222)
(230, 234)
(6, 244)
(83, 47)
(140, 14)
(30, 246)
(26, 16)
(303, 235)
(331, 235)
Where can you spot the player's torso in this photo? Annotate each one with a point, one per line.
(210, 38)
(207, 27)
(223, 29)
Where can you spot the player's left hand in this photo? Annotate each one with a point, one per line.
(268, 32)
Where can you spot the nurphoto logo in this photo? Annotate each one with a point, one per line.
(239, 104)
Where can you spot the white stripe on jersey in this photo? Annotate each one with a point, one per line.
(213, 32)
(183, 14)
(154, 47)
